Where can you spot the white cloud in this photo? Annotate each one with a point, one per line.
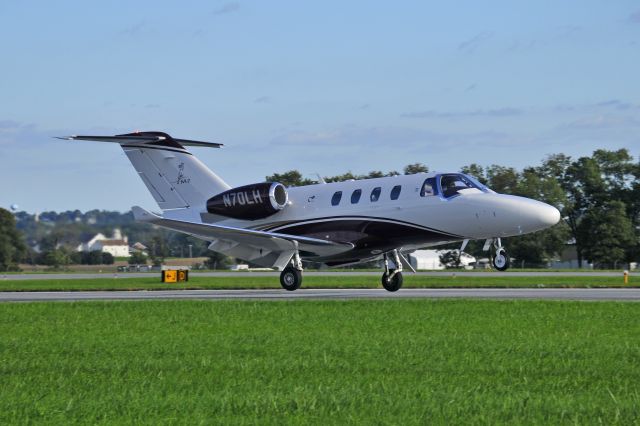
(498, 112)
(472, 44)
(388, 136)
(602, 121)
(227, 8)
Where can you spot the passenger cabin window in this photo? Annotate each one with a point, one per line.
(375, 194)
(335, 200)
(452, 184)
(395, 192)
(429, 188)
(355, 196)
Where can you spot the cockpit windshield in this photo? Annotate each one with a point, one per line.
(479, 184)
(456, 183)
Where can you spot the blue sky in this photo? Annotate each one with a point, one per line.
(323, 87)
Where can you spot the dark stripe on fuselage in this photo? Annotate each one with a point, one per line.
(369, 237)
(285, 225)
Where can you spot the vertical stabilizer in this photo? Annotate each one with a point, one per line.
(175, 178)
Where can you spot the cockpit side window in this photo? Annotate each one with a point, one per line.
(452, 184)
(429, 188)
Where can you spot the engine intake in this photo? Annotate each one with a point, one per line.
(250, 202)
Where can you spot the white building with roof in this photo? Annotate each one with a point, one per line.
(430, 259)
(118, 246)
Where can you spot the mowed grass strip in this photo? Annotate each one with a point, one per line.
(247, 281)
(317, 362)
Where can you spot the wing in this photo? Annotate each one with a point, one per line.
(263, 248)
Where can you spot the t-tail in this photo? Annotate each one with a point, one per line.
(176, 179)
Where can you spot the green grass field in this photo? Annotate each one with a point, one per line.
(320, 362)
(248, 281)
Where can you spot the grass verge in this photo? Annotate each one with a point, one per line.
(247, 281)
(364, 362)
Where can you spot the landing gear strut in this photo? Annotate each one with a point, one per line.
(500, 260)
(291, 276)
(392, 278)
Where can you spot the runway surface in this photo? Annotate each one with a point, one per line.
(631, 294)
(156, 274)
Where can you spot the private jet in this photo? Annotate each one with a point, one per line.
(334, 224)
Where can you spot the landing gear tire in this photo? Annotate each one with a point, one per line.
(501, 260)
(291, 278)
(394, 283)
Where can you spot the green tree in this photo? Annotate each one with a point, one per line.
(607, 234)
(617, 170)
(94, 257)
(76, 258)
(290, 178)
(589, 184)
(12, 247)
(158, 250)
(538, 248)
(412, 169)
(179, 244)
(502, 179)
(107, 259)
(137, 258)
(343, 177)
(217, 260)
(351, 176)
(477, 171)
(375, 174)
(56, 258)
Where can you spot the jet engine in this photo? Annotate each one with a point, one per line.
(250, 202)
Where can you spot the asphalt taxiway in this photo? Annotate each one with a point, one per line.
(586, 294)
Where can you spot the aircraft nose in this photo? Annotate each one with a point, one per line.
(547, 215)
(518, 215)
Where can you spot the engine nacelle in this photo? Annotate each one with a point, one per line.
(250, 202)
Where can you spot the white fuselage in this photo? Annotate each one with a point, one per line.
(412, 220)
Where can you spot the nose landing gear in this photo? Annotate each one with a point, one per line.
(392, 278)
(500, 260)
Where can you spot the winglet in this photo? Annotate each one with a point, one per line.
(142, 215)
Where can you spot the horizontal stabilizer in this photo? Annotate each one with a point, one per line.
(151, 138)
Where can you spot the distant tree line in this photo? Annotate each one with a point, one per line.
(294, 177)
(12, 246)
(598, 196)
(52, 238)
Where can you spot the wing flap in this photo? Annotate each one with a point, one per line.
(247, 244)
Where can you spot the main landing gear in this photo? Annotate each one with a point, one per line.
(291, 276)
(500, 260)
(392, 278)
